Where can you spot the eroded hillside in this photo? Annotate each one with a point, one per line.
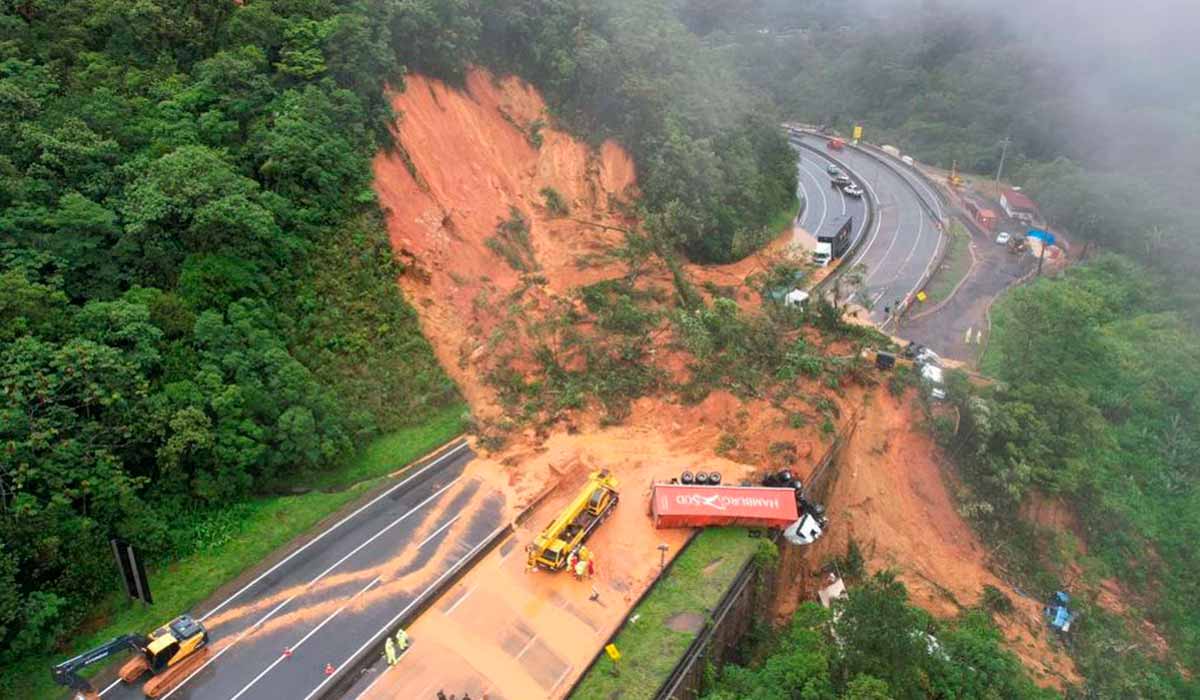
(503, 274)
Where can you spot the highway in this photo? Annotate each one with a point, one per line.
(319, 605)
(901, 244)
(824, 202)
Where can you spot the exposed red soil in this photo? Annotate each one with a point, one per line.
(464, 158)
(892, 499)
(473, 161)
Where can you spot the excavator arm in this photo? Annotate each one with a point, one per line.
(67, 673)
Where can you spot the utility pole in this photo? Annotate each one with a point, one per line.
(1003, 153)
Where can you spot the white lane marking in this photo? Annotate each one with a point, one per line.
(979, 336)
(863, 220)
(526, 647)
(919, 180)
(110, 686)
(824, 202)
(304, 639)
(257, 623)
(333, 527)
(386, 627)
(561, 677)
(932, 258)
(887, 254)
(309, 585)
(878, 223)
(967, 339)
(389, 526)
(438, 531)
(916, 243)
(460, 600)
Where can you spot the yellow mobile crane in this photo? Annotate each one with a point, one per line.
(576, 522)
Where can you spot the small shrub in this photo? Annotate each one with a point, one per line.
(535, 132)
(511, 242)
(827, 426)
(555, 203)
(995, 601)
(727, 443)
(797, 420)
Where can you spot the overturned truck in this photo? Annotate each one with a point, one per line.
(780, 505)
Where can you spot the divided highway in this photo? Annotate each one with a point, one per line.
(900, 247)
(325, 601)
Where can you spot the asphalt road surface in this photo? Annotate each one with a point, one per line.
(327, 599)
(901, 243)
(958, 328)
(824, 202)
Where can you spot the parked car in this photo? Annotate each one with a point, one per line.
(853, 191)
(833, 169)
(1003, 237)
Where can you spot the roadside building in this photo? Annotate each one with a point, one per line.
(1019, 206)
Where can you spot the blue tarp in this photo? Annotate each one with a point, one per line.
(1045, 236)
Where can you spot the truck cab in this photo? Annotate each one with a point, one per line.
(822, 254)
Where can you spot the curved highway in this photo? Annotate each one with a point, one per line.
(901, 244)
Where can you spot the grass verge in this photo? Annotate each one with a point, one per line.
(954, 266)
(263, 525)
(649, 648)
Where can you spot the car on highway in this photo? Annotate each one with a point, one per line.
(833, 169)
(1003, 237)
(840, 180)
(853, 191)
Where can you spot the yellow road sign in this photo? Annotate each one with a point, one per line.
(921, 296)
(611, 650)
(857, 132)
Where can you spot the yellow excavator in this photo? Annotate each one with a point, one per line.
(567, 533)
(169, 653)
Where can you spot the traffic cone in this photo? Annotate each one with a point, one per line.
(329, 669)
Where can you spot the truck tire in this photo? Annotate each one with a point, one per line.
(701, 478)
(714, 478)
(686, 478)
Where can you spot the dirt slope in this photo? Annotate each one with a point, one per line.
(465, 159)
(891, 497)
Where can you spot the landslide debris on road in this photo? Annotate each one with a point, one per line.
(495, 273)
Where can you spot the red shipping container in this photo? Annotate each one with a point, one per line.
(680, 505)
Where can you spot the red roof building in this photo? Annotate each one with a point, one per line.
(1018, 206)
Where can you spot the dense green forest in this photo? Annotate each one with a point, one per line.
(198, 302)
(877, 646)
(1099, 406)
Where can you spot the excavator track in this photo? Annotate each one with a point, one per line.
(164, 682)
(134, 669)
